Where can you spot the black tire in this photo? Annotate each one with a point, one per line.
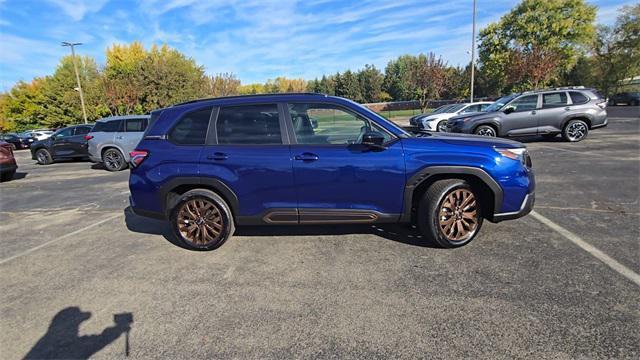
(113, 160)
(6, 176)
(575, 130)
(432, 204)
(485, 130)
(634, 103)
(442, 126)
(43, 157)
(196, 242)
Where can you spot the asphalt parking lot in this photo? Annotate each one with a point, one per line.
(560, 283)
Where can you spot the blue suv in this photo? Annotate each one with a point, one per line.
(210, 165)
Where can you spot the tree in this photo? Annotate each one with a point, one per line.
(395, 83)
(541, 36)
(428, 76)
(223, 84)
(347, 85)
(370, 79)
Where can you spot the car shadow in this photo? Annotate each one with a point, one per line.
(402, 233)
(63, 341)
(532, 139)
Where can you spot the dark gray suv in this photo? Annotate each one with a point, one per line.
(571, 112)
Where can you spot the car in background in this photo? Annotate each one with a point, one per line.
(66, 143)
(413, 121)
(113, 138)
(8, 164)
(569, 111)
(38, 134)
(17, 141)
(438, 121)
(628, 98)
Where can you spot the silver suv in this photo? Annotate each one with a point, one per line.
(112, 138)
(571, 112)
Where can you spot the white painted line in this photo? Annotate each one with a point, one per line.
(3, 261)
(595, 252)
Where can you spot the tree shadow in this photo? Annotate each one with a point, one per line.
(402, 233)
(62, 340)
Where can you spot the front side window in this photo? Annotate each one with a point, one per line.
(135, 125)
(249, 125)
(65, 132)
(81, 130)
(554, 99)
(471, 109)
(192, 128)
(525, 103)
(483, 107)
(323, 124)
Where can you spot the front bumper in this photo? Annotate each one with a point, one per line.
(525, 208)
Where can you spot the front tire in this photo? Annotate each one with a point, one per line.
(113, 160)
(485, 130)
(449, 212)
(575, 130)
(442, 126)
(202, 220)
(43, 157)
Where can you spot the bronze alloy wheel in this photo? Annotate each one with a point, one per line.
(200, 222)
(458, 215)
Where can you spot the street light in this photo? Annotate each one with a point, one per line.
(75, 68)
(473, 48)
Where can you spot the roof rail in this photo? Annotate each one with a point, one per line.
(580, 87)
(248, 95)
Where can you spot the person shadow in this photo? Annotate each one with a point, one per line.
(62, 339)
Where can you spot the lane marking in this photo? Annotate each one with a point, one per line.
(595, 252)
(3, 261)
(622, 212)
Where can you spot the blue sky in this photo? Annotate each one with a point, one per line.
(255, 39)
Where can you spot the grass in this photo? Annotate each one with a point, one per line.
(400, 113)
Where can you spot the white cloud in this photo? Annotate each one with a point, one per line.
(77, 9)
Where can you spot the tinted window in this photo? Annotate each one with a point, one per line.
(525, 103)
(81, 130)
(554, 99)
(252, 124)
(328, 124)
(471, 109)
(108, 126)
(65, 132)
(484, 107)
(578, 98)
(192, 127)
(135, 125)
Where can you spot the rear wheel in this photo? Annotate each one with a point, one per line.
(450, 213)
(485, 130)
(43, 157)
(575, 130)
(202, 220)
(113, 160)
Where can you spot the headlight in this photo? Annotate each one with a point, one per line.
(520, 154)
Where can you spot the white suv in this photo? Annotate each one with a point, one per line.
(437, 120)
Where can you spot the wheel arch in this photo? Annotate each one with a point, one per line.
(584, 117)
(494, 124)
(112, 146)
(175, 187)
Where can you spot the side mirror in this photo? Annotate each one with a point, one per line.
(508, 110)
(373, 139)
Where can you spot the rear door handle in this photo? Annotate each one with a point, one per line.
(218, 156)
(119, 137)
(307, 157)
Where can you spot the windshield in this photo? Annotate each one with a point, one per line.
(496, 106)
(404, 133)
(455, 108)
(441, 109)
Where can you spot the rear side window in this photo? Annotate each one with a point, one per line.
(136, 125)
(108, 126)
(192, 127)
(251, 124)
(81, 130)
(577, 97)
(554, 99)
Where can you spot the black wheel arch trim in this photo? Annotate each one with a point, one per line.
(491, 122)
(424, 174)
(577, 116)
(199, 181)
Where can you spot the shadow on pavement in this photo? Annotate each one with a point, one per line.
(401, 233)
(62, 340)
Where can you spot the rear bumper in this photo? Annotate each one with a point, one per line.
(145, 213)
(8, 167)
(525, 208)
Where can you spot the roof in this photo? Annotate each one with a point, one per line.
(123, 117)
(251, 96)
(557, 89)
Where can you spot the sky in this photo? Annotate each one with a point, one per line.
(254, 39)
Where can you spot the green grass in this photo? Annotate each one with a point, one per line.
(401, 113)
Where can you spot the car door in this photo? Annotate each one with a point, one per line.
(336, 177)
(131, 135)
(77, 142)
(248, 151)
(522, 120)
(551, 115)
(60, 145)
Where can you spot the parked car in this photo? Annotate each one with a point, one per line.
(437, 120)
(38, 135)
(17, 141)
(8, 164)
(571, 112)
(66, 143)
(628, 98)
(113, 138)
(210, 165)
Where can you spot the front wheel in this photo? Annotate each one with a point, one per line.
(442, 126)
(113, 160)
(43, 157)
(485, 130)
(575, 130)
(449, 212)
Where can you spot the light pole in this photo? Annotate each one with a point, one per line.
(75, 68)
(473, 48)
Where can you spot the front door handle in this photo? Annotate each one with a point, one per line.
(567, 108)
(119, 137)
(218, 156)
(533, 112)
(307, 157)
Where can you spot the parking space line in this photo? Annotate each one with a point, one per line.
(595, 252)
(3, 261)
(589, 153)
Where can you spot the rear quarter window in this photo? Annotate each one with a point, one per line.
(191, 128)
(578, 97)
(136, 125)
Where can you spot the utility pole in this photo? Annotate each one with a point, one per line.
(75, 68)
(473, 48)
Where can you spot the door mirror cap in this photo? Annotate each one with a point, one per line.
(373, 139)
(508, 110)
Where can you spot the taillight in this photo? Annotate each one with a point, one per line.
(88, 137)
(138, 156)
(602, 104)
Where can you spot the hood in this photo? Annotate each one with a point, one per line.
(468, 140)
(476, 115)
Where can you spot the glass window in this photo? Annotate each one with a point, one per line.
(108, 126)
(328, 124)
(483, 107)
(136, 125)
(81, 130)
(471, 109)
(192, 128)
(525, 103)
(65, 132)
(554, 99)
(250, 124)
(577, 97)
(498, 104)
